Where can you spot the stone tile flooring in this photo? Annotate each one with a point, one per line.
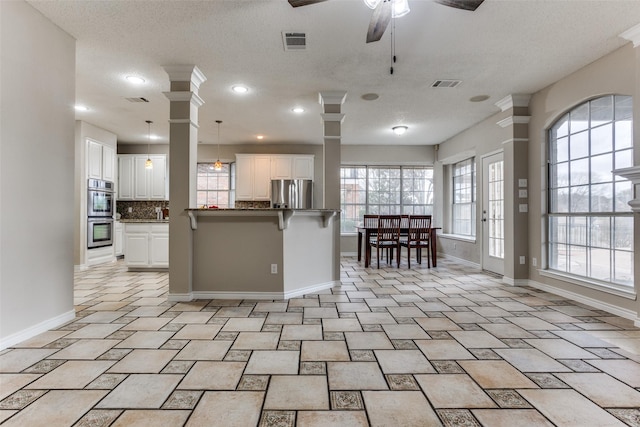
(447, 346)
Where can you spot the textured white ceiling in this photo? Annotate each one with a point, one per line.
(504, 47)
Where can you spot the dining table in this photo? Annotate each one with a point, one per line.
(369, 231)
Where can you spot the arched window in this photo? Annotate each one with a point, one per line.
(590, 224)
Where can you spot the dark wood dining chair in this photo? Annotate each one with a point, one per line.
(418, 238)
(388, 236)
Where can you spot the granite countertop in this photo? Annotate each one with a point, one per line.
(151, 220)
(258, 210)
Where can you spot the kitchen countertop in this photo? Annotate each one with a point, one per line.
(284, 215)
(143, 220)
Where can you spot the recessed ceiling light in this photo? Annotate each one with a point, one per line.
(298, 110)
(479, 98)
(135, 80)
(154, 137)
(239, 89)
(370, 96)
(81, 108)
(260, 137)
(399, 130)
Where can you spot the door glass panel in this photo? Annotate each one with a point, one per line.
(495, 211)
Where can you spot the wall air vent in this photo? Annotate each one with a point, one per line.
(294, 41)
(138, 99)
(446, 83)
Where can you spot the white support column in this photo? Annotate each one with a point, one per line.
(183, 157)
(332, 118)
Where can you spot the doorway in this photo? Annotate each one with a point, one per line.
(493, 213)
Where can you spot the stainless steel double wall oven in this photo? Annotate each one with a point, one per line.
(100, 209)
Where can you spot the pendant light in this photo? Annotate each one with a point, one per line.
(148, 164)
(218, 164)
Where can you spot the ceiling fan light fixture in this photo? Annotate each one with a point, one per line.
(371, 4)
(399, 130)
(400, 8)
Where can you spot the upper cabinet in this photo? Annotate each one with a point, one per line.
(138, 183)
(101, 161)
(254, 173)
(253, 177)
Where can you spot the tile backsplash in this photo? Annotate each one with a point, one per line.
(140, 209)
(252, 204)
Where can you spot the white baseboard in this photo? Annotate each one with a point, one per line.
(514, 282)
(459, 260)
(601, 305)
(310, 289)
(250, 295)
(34, 330)
(348, 254)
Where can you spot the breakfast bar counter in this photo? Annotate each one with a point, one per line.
(261, 253)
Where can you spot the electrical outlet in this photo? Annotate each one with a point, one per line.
(157, 209)
(129, 209)
(534, 261)
(522, 260)
(274, 268)
(455, 246)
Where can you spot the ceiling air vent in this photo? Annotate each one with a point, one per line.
(446, 83)
(139, 99)
(294, 41)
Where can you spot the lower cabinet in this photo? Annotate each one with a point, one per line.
(147, 245)
(118, 239)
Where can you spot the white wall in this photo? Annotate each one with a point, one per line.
(37, 87)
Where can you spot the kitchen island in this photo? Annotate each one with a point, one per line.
(261, 253)
(146, 244)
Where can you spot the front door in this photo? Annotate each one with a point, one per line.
(493, 213)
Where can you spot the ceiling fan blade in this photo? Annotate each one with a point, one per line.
(379, 21)
(462, 4)
(298, 3)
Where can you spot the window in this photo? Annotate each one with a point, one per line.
(216, 188)
(464, 198)
(590, 224)
(383, 190)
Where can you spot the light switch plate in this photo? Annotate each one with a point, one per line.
(522, 194)
(523, 207)
(522, 182)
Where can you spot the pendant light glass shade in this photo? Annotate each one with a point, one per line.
(148, 164)
(218, 164)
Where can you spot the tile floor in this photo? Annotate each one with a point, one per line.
(445, 346)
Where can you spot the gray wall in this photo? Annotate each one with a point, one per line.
(37, 141)
(612, 74)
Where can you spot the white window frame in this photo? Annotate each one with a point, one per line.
(586, 233)
(403, 202)
(463, 198)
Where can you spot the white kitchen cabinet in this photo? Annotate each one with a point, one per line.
(125, 178)
(302, 167)
(262, 178)
(281, 167)
(253, 177)
(100, 161)
(118, 238)
(108, 163)
(147, 245)
(139, 183)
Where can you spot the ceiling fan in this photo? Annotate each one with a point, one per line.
(384, 10)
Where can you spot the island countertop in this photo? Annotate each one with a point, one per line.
(284, 215)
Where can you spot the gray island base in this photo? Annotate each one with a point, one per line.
(262, 253)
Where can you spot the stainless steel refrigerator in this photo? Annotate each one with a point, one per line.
(292, 193)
